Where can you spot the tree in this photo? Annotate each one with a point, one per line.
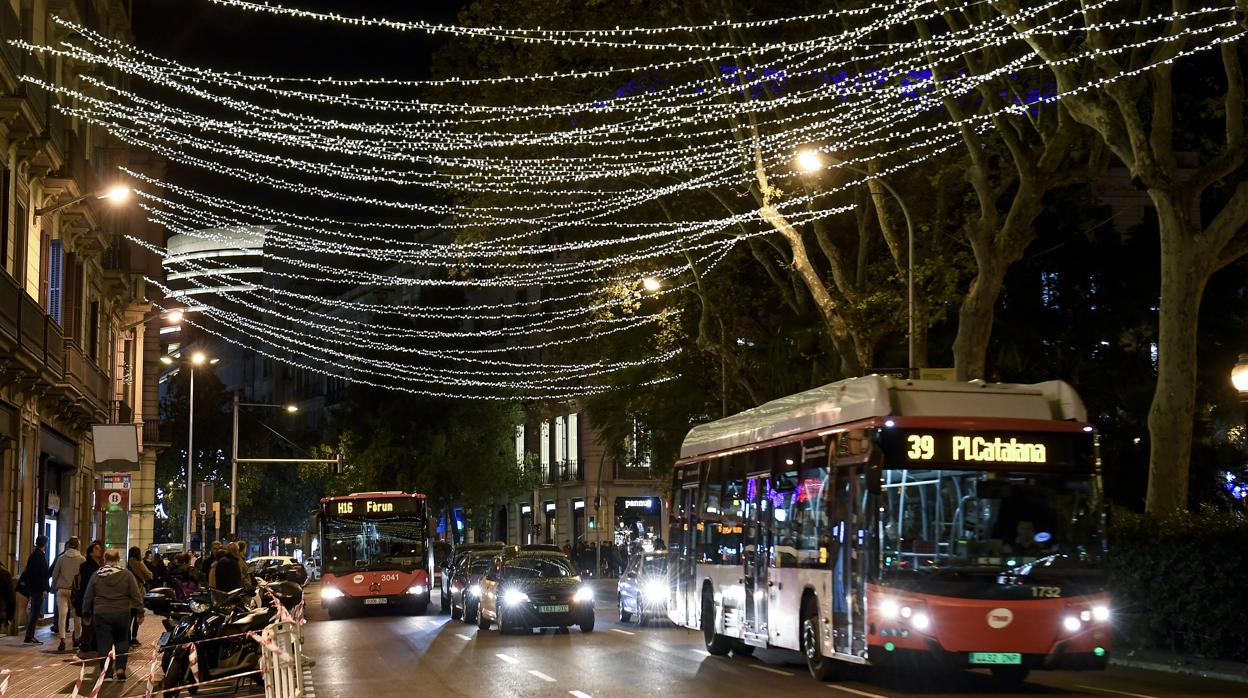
(1131, 99)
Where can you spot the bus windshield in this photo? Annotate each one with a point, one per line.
(396, 543)
(935, 520)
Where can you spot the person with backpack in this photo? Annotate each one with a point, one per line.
(94, 558)
(111, 599)
(64, 573)
(33, 584)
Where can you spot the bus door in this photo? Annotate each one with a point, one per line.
(757, 549)
(682, 558)
(849, 570)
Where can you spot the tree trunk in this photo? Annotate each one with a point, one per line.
(1184, 272)
(975, 317)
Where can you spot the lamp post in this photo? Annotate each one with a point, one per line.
(290, 409)
(115, 194)
(197, 359)
(810, 160)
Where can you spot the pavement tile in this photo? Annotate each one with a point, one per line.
(39, 671)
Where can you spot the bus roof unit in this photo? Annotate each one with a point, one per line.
(854, 399)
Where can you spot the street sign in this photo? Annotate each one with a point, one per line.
(203, 508)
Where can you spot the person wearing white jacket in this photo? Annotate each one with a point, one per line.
(64, 572)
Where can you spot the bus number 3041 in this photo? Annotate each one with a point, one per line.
(395, 578)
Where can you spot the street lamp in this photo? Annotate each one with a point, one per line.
(290, 408)
(115, 194)
(809, 161)
(196, 359)
(651, 284)
(1239, 376)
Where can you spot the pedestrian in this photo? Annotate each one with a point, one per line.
(112, 596)
(94, 558)
(226, 574)
(144, 577)
(64, 573)
(161, 572)
(243, 571)
(34, 585)
(209, 559)
(8, 600)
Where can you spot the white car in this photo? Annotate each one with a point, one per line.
(274, 568)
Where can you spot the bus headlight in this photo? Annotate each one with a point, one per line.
(1071, 624)
(474, 590)
(1100, 613)
(889, 608)
(654, 592)
(515, 597)
(583, 594)
(331, 592)
(920, 621)
(416, 589)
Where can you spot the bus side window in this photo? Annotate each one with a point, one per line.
(733, 502)
(711, 514)
(785, 514)
(810, 512)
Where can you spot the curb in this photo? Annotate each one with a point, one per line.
(1179, 669)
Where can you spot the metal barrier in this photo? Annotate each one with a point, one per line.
(281, 660)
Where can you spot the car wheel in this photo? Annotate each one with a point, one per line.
(446, 600)
(625, 616)
(456, 613)
(587, 625)
(716, 644)
(482, 622)
(470, 611)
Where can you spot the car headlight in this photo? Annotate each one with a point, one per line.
(416, 589)
(331, 592)
(584, 594)
(474, 590)
(513, 597)
(654, 591)
(198, 606)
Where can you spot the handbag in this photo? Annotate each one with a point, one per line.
(21, 586)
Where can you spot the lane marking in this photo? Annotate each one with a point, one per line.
(507, 658)
(580, 694)
(462, 636)
(855, 691)
(1121, 693)
(622, 632)
(780, 672)
(695, 650)
(542, 676)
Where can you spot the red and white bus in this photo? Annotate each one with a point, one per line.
(877, 519)
(375, 552)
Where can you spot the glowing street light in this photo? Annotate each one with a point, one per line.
(174, 316)
(651, 284)
(117, 194)
(292, 408)
(1239, 376)
(809, 160)
(198, 358)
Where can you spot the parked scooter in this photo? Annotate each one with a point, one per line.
(217, 623)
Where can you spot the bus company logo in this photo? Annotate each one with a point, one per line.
(999, 618)
(358, 579)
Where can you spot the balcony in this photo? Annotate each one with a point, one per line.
(571, 471)
(634, 471)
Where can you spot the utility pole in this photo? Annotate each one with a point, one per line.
(234, 474)
(190, 466)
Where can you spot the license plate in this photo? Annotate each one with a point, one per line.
(563, 608)
(379, 601)
(996, 658)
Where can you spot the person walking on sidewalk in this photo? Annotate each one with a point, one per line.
(8, 600)
(64, 572)
(34, 584)
(111, 597)
(95, 558)
(143, 576)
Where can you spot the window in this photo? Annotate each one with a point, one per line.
(573, 447)
(561, 440)
(544, 445)
(637, 446)
(8, 251)
(520, 445)
(93, 331)
(55, 280)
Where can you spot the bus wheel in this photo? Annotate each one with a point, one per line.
(821, 667)
(1009, 676)
(716, 644)
(742, 650)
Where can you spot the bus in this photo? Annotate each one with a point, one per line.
(375, 552)
(876, 520)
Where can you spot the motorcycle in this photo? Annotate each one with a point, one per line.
(217, 623)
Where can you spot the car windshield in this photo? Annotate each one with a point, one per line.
(653, 567)
(534, 567)
(376, 544)
(940, 519)
(480, 565)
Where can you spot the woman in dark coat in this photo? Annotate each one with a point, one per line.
(95, 558)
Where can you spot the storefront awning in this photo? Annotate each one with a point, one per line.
(116, 446)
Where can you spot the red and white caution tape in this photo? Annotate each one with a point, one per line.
(82, 674)
(4, 682)
(95, 690)
(151, 679)
(192, 658)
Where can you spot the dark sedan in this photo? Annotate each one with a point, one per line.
(534, 590)
(643, 589)
(448, 570)
(466, 585)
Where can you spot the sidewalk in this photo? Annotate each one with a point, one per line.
(1178, 664)
(42, 672)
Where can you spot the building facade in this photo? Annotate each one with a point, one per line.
(78, 341)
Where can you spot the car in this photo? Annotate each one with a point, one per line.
(466, 584)
(448, 569)
(643, 588)
(278, 568)
(534, 589)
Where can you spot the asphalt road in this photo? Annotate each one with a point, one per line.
(377, 656)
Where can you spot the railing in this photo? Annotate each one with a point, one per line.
(571, 471)
(282, 646)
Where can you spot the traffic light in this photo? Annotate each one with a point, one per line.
(338, 468)
(593, 522)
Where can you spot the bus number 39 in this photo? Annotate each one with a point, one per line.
(922, 446)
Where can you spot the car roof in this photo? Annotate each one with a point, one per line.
(530, 554)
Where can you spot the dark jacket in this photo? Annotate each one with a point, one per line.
(8, 597)
(112, 590)
(36, 575)
(228, 576)
(139, 569)
(85, 572)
